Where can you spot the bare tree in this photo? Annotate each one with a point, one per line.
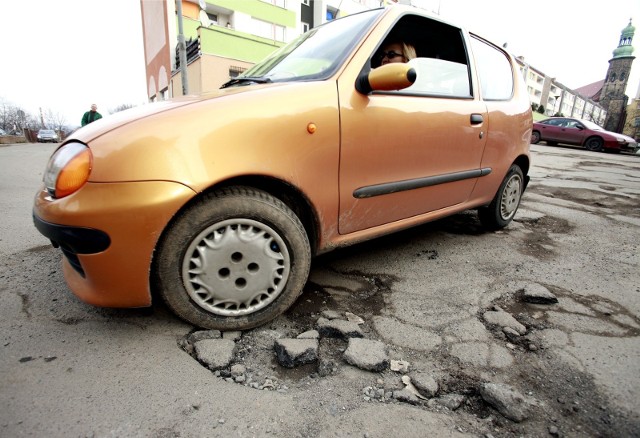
(12, 118)
(124, 106)
(54, 120)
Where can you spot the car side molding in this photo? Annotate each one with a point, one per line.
(418, 183)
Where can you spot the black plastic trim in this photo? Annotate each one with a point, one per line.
(418, 183)
(76, 240)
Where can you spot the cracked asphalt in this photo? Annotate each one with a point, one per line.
(69, 369)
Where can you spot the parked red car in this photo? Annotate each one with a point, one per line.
(580, 132)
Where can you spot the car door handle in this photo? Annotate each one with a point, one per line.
(476, 119)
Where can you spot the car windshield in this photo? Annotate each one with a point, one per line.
(315, 54)
(591, 125)
(46, 131)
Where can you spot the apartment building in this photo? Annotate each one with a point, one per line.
(557, 98)
(225, 37)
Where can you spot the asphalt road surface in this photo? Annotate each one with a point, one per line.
(69, 369)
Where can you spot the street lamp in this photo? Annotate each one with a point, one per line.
(182, 49)
(557, 103)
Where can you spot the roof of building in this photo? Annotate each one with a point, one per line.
(592, 91)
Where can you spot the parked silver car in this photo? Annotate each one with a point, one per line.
(48, 135)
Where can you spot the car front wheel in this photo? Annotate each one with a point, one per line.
(535, 137)
(234, 260)
(503, 208)
(594, 144)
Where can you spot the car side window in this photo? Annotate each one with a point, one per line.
(494, 70)
(440, 58)
(440, 77)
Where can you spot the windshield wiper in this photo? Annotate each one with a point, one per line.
(246, 80)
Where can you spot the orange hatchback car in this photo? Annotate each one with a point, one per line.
(217, 202)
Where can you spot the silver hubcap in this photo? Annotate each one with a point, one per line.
(511, 197)
(236, 267)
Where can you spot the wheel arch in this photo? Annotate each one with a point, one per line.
(523, 162)
(593, 136)
(291, 196)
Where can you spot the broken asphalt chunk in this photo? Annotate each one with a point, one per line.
(294, 352)
(504, 319)
(538, 294)
(215, 354)
(506, 400)
(367, 354)
(338, 328)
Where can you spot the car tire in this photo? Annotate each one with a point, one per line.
(502, 209)
(535, 137)
(594, 144)
(235, 259)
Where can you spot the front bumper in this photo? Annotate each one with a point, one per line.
(73, 240)
(107, 233)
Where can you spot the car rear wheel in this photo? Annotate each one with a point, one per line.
(234, 260)
(535, 137)
(594, 144)
(503, 208)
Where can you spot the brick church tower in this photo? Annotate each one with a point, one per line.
(612, 96)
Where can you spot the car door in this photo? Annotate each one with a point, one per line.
(409, 152)
(570, 133)
(550, 130)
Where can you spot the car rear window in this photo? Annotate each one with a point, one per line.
(494, 70)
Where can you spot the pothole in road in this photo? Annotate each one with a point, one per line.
(620, 204)
(570, 394)
(538, 242)
(364, 296)
(592, 315)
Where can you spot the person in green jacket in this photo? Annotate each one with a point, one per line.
(91, 116)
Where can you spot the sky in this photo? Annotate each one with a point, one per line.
(570, 40)
(64, 55)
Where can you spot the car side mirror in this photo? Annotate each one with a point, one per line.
(394, 76)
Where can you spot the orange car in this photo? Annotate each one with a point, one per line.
(218, 202)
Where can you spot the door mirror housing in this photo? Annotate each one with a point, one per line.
(389, 77)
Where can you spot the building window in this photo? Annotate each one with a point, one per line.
(332, 14)
(213, 18)
(305, 27)
(305, 2)
(613, 77)
(622, 76)
(279, 3)
(267, 30)
(235, 71)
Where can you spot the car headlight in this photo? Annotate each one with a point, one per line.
(68, 169)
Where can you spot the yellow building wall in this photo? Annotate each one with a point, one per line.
(191, 10)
